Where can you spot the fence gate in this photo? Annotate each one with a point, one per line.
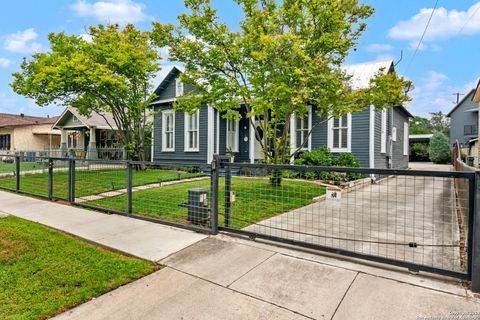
(421, 220)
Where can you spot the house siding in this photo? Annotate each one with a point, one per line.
(179, 154)
(381, 159)
(460, 118)
(399, 161)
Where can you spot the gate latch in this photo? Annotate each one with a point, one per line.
(412, 244)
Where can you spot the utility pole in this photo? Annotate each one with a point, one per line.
(458, 94)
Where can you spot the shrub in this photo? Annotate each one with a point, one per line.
(324, 158)
(419, 152)
(439, 150)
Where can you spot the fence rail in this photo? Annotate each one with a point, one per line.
(421, 220)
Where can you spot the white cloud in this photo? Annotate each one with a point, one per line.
(23, 42)
(5, 63)
(111, 11)
(444, 24)
(433, 93)
(379, 47)
(86, 37)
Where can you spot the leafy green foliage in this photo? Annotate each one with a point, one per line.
(324, 158)
(43, 272)
(111, 73)
(419, 125)
(419, 152)
(439, 150)
(284, 57)
(438, 122)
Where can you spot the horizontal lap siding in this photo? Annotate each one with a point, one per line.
(179, 155)
(361, 136)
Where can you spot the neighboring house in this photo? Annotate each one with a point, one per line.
(21, 133)
(378, 139)
(464, 121)
(475, 144)
(88, 137)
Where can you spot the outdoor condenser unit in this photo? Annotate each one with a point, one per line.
(198, 210)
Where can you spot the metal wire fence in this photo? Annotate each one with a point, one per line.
(405, 218)
(422, 220)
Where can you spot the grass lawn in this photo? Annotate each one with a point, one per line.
(24, 166)
(255, 201)
(91, 181)
(44, 272)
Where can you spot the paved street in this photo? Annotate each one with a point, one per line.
(382, 219)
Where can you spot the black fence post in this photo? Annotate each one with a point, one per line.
(214, 196)
(475, 227)
(17, 173)
(228, 190)
(71, 181)
(50, 179)
(129, 187)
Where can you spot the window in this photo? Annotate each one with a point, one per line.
(394, 134)
(5, 142)
(339, 133)
(469, 130)
(178, 87)
(301, 132)
(191, 131)
(383, 137)
(232, 136)
(405, 138)
(168, 130)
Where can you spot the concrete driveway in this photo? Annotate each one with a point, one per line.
(405, 218)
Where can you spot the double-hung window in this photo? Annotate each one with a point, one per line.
(168, 130)
(339, 133)
(191, 131)
(232, 136)
(301, 132)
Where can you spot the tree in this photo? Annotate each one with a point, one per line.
(110, 73)
(439, 122)
(286, 56)
(419, 125)
(439, 149)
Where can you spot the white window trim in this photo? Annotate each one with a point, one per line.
(371, 145)
(237, 136)
(164, 138)
(187, 136)
(394, 134)
(293, 132)
(349, 135)
(405, 139)
(383, 136)
(178, 87)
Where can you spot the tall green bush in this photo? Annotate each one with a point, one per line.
(439, 149)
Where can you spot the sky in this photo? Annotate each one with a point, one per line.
(447, 61)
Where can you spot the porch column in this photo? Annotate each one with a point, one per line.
(92, 145)
(63, 141)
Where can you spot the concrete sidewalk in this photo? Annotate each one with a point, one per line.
(224, 277)
(139, 238)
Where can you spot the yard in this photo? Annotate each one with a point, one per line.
(91, 181)
(255, 200)
(44, 272)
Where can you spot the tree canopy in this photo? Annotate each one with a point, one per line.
(284, 57)
(111, 73)
(437, 123)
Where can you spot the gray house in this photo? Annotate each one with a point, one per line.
(378, 139)
(464, 121)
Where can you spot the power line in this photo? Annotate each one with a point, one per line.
(468, 20)
(421, 39)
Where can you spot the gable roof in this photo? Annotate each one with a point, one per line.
(17, 120)
(476, 96)
(172, 74)
(461, 102)
(99, 121)
(362, 73)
